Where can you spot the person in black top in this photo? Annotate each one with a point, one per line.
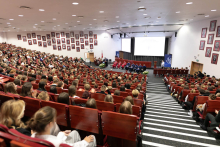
(42, 86)
(103, 89)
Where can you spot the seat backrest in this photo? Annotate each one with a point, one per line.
(79, 93)
(4, 98)
(105, 106)
(59, 90)
(140, 96)
(65, 90)
(211, 106)
(200, 100)
(35, 86)
(98, 96)
(117, 99)
(47, 88)
(138, 102)
(124, 94)
(3, 128)
(62, 111)
(85, 119)
(32, 106)
(184, 94)
(78, 101)
(118, 125)
(191, 96)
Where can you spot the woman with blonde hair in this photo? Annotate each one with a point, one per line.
(109, 98)
(12, 111)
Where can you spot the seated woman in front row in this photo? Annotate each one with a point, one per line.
(45, 119)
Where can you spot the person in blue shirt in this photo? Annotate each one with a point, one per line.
(127, 66)
(137, 68)
(132, 67)
(144, 67)
(140, 67)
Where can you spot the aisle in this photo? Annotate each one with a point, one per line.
(166, 124)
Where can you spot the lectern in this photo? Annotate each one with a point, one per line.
(91, 57)
(155, 64)
(121, 54)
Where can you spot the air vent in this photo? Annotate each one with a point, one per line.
(200, 14)
(80, 16)
(141, 9)
(148, 17)
(24, 7)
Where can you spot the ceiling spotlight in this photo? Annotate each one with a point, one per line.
(41, 10)
(213, 10)
(101, 11)
(207, 16)
(144, 14)
(141, 9)
(66, 23)
(8, 23)
(178, 12)
(90, 24)
(148, 17)
(11, 19)
(78, 21)
(58, 25)
(54, 19)
(73, 15)
(94, 19)
(75, 3)
(35, 24)
(189, 3)
(118, 21)
(20, 15)
(42, 21)
(116, 16)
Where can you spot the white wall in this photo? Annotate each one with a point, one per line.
(186, 45)
(105, 43)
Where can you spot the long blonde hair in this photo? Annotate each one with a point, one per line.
(11, 113)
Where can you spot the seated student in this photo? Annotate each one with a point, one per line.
(43, 96)
(91, 103)
(126, 108)
(117, 92)
(32, 80)
(27, 90)
(215, 121)
(53, 89)
(123, 65)
(86, 94)
(55, 82)
(24, 78)
(2, 71)
(72, 92)
(109, 98)
(135, 93)
(114, 85)
(191, 91)
(131, 68)
(66, 81)
(140, 68)
(128, 86)
(103, 89)
(127, 66)
(122, 88)
(11, 88)
(130, 99)
(45, 119)
(75, 83)
(45, 77)
(42, 86)
(63, 98)
(119, 64)
(144, 67)
(200, 107)
(60, 84)
(12, 111)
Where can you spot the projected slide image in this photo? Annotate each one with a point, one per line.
(126, 45)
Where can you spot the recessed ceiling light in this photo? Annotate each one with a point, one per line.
(189, 3)
(42, 21)
(73, 15)
(11, 19)
(141, 7)
(20, 15)
(207, 16)
(101, 11)
(118, 21)
(78, 21)
(75, 3)
(94, 19)
(74, 26)
(41, 10)
(116, 16)
(144, 14)
(66, 23)
(58, 25)
(213, 10)
(90, 24)
(178, 12)
(54, 19)
(35, 24)
(8, 23)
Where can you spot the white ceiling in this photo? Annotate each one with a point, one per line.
(127, 11)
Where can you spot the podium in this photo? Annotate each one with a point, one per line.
(121, 54)
(91, 57)
(155, 64)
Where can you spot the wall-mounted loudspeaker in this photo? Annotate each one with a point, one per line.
(175, 34)
(124, 35)
(120, 35)
(111, 36)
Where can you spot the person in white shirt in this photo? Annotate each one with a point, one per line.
(44, 120)
(162, 63)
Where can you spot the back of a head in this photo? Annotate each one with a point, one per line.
(44, 77)
(72, 90)
(10, 87)
(32, 79)
(11, 113)
(210, 88)
(202, 91)
(130, 99)
(66, 81)
(122, 88)
(53, 89)
(44, 96)
(42, 84)
(26, 89)
(126, 108)
(135, 93)
(117, 92)
(17, 82)
(87, 87)
(109, 98)
(63, 98)
(212, 97)
(60, 84)
(91, 103)
(75, 83)
(114, 85)
(42, 118)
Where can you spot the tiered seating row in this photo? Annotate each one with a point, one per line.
(147, 63)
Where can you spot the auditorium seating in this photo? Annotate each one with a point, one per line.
(147, 63)
(158, 71)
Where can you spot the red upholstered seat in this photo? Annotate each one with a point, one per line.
(105, 106)
(98, 96)
(4, 98)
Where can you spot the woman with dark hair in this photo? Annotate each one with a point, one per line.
(114, 85)
(43, 77)
(72, 91)
(27, 90)
(42, 86)
(53, 89)
(50, 78)
(10, 88)
(63, 98)
(122, 88)
(17, 82)
(66, 81)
